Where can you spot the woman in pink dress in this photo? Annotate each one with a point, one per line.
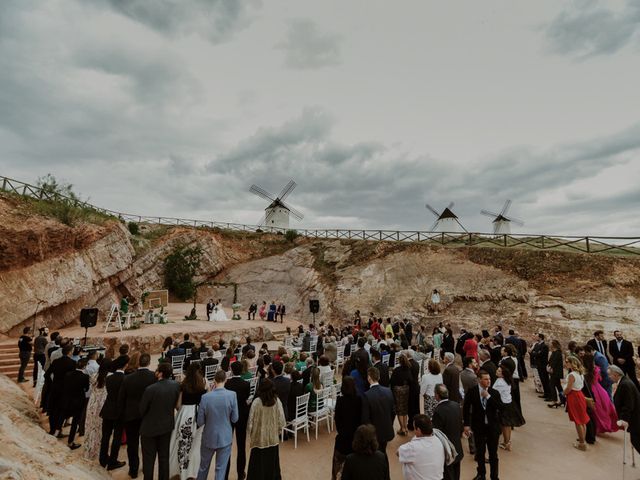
(604, 412)
(262, 312)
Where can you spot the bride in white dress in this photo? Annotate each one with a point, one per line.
(218, 313)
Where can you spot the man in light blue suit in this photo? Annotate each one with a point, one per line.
(217, 411)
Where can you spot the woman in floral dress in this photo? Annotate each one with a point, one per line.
(93, 423)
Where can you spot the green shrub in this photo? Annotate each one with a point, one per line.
(180, 266)
(134, 229)
(291, 235)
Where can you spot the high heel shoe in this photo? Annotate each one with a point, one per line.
(554, 405)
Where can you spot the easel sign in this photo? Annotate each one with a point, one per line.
(155, 299)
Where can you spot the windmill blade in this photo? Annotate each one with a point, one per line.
(517, 221)
(288, 188)
(297, 214)
(461, 226)
(432, 210)
(262, 220)
(261, 193)
(488, 213)
(450, 206)
(432, 229)
(505, 208)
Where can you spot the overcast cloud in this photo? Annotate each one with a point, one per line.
(175, 108)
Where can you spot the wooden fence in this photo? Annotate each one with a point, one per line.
(583, 244)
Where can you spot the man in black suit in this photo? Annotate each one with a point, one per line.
(112, 418)
(382, 368)
(487, 364)
(187, 344)
(360, 356)
(248, 346)
(76, 386)
(56, 374)
(242, 389)
(451, 377)
(621, 351)
(131, 390)
(627, 402)
(282, 384)
(464, 336)
(598, 343)
(480, 416)
(378, 409)
(540, 354)
(157, 409)
(514, 340)
(447, 417)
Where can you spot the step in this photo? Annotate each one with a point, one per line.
(12, 345)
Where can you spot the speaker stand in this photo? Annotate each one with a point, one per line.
(86, 331)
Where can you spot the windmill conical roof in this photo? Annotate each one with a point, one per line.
(277, 203)
(446, 213)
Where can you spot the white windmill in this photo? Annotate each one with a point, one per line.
(277, 213)
(446, 221)
(502, 222)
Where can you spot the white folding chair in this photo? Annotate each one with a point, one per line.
(253, 371)
(326, 379)
(210, 372)
(203, 355)
(385, 359)
(253, 385)
(301, 420)
(177, 362)
(333, 400)
(321, 412)
(187, 352)
(340, 358)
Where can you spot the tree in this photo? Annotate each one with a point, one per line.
(180, 268)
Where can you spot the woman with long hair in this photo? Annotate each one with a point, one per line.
(93, 422)
(359, 375)
(266, 421)
(314, 387)
(510, 360)
(400, 384)
(556, 372)
(366, 461)
(134, 363)
(510, 416)
(166, 346)
(576, 402)
(184, 450)
(428, 382)
(348, 413)
(603, 412)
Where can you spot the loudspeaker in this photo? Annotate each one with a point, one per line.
(88, 317)
(314, 306)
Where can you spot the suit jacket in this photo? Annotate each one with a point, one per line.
(157, 408)
(360, 356)
(627, 402)
(283, 387)
(131, 390)
(57, 372)
(348, 414)
(447, 417)
(474, 413)
(496, 354)
(540, 354)
(556, 364)
(460, 343)
(384, 373)
(469, 379)
(217, 411)
(76, 385)
(242, 390)
(447, 344)
(110, 410)
(378, 409)
(594, 344)
(451, 379)
(625, 352)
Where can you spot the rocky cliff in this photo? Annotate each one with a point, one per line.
(28, 452)
(67, 268)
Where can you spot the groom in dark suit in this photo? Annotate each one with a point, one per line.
(133, 386)
(480, 413)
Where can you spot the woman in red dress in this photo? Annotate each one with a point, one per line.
(576, 402)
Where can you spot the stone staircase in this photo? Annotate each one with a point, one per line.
(10, 363)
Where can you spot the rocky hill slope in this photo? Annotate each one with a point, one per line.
(65, 268)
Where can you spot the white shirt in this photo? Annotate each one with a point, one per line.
(428, 383)
(422, 458)
(504, 389)
(91, 368)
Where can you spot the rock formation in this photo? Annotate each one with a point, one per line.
(68, 268)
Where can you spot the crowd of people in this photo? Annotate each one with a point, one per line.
(269, 313)
(394, 379)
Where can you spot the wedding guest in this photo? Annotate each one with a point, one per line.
(509, 415)
(348, 413)
(576, 403)
(111, 414)
(56, 373)
(93, 423)
(429, 380)
(556, 373)
(25, 346)
(262, 312)
(253, 308)
(423, 457)
(39, 353)
(621, 352)
(366, 461)
(157, 408)
(400, 384)
(266, 421)
(76, 386)
(627, 402)
(217, 412)
(603, 411)
(378, 409)
(242, 390)
(447, 417)
(184, 448)
(451, 377)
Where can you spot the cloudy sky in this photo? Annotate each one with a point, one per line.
(175, 107)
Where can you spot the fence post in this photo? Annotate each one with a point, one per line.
(543, 241)
(442, 238)
(505, 240)
(588, 246)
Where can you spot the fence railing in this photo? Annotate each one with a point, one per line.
(584, 244)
